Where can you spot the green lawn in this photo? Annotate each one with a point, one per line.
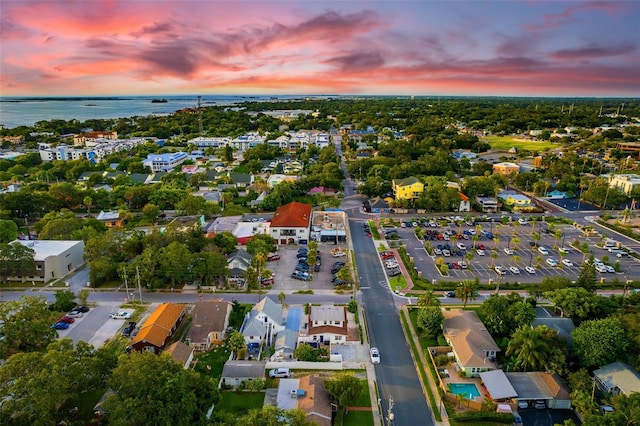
(240, 403)
(364, 400)
(504, 143)
(398, 283)
(358, 418)
(214, 359)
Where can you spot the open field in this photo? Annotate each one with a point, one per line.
(503, 143)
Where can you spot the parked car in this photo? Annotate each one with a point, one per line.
(540, 404)
(543, 250)
(375, 355)
(316, 267)
(601, 268)
(82, 309)
(280, 373)
(567, 262)
(67, 319)
(500, 270)
(338, 281)
(514, 270)
(74, 314)
(126, 332)
(508, 251)
(609, 269)
(480, 252)
(530, 269)
(450, 294)
(461, 246)
(300, 276)
(273, 257)
(394, 272)
(120, 315)
(387, 255)
(60, 326)
(267, 281)
(622, 254)
(551, 262)
(339, 254)
(481, 247)
(523, 221)
(563, 250)
(523, 404)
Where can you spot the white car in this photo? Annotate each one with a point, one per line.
(508, 251)
(437, 251)
(499, 270)
(514, 270)
(563, 250)
(551, 262)
(339, 254)
(543, 250)
(609, 269)
(601, 268)
(480, 252)
(522, 221)
(461, 246)
(530, 269)
(375, 356)
(567, 262)
(120, 315)
(446, 253)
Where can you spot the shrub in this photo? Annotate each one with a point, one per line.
(352, 306)
(442, 360)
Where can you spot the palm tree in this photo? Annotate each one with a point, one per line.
(469, 257)
(530, 348)
(466, 291)
(494, 256)
(558, 236)
(515, 259)
(281, 298)
(515, 242)
(536, 237)
(428, 298)
(475, 239)
(88, 202)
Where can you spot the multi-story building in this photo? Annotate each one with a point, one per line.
(165, 162)
(407, 189)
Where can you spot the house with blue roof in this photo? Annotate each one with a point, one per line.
(165, 162)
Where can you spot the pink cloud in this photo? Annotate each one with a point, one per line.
(557, 20)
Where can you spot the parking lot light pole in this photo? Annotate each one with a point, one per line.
(530, 257)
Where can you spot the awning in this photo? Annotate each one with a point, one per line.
(498, 385)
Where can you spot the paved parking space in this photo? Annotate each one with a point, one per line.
(511, 247)
(95, 326)
(351, 353)
(320, 280)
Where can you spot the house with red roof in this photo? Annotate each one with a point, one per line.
(291, 223)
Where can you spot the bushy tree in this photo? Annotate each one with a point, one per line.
(65, 301)
(430, 319)
(345, 388)
(27, 325)
(600, 342)
(8, 231)
(152, 389)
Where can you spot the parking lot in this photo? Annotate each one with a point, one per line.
(95, 326)
(319, 280)
(509, 247)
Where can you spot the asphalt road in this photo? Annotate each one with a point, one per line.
(396, 374)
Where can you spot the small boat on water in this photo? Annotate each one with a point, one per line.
(89, 104)
(159, 101)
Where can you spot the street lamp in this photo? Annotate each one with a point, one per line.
(530, 257)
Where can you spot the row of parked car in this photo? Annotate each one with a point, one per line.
(390, 263)
(69, 318)
(301, 271)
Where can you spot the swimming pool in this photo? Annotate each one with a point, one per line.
(464, 389)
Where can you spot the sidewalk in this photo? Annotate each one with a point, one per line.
(430, 382)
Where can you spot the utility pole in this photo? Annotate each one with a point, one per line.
(126, 286)
(139, 287)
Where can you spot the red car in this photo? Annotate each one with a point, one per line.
(267, 282)
(387, 255)
(273, 257)
(68, 320)
(482, 247)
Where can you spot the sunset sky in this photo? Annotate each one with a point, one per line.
(481, 47)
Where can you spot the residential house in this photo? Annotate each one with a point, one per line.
(462, 153)
(562, 325)
(287, 339)
(181, 353)
(110, 219)
(506, 168)
(474, 349)
(82, 138)
(235, 372)
(557, 195)
(487, 204)
(209, 322)
(407, 189)
(327, 324)
(515, 200)
(238, 262)
(465, 204)
(617, 378)
(53, 259)
(376, 205)
(266, 315)
(277, 178)
(290, 223)
(158, 328)
(307, 394)
(241, 180)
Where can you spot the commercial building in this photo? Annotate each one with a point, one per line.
(54, 259)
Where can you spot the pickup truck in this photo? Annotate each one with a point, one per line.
(120, 315)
